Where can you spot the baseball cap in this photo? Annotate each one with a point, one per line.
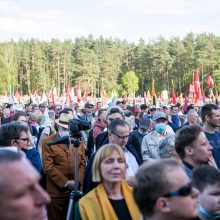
(144, 122)
(88, 105)
(158, 115)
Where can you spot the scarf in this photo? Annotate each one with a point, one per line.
(96, 205)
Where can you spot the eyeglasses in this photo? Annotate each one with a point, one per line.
(153, 109)
(58, 109)
(120, 137)
(23, 139)
(183, 191)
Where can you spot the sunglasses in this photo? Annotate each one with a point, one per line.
(153, 109)
(183, 191)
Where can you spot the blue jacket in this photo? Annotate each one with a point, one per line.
(34, 157)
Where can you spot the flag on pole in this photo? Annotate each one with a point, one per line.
(86, 92)
(11, 96)
(78, 91)
(145, 98)
(210, 82)
(173, 94)
(153, 93)
(197, 89)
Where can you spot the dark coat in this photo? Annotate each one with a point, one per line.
(88, 184)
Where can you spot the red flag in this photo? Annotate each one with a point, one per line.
(197, 92)
(185, 105)
(78, 91)
(68, 94)
(17, 96)
(210, 82)
(52, 97)
(86, 92)
(36, 90)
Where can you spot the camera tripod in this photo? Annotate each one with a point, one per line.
(75, 195)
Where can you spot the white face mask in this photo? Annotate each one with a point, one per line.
(141, 132)
(64, 133)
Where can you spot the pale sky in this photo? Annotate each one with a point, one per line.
(124, 19)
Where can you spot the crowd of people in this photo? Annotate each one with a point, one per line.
(129, 161)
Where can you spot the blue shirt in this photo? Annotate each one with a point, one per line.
(214, 140)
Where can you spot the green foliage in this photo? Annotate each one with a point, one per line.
(103, 64)
(130, 82)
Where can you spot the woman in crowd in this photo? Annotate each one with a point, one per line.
(112, 198)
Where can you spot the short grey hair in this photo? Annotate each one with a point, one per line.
(166, 146)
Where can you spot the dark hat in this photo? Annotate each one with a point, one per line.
(144, 122)
(88, 105)
(158, 115)
(42, 105)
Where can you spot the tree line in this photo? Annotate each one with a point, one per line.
(101, 64)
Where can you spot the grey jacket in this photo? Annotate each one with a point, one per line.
(150, 147)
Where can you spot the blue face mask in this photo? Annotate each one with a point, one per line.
(204, 213)
(160, 128)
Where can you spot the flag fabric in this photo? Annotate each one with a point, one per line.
(145, 98)
(173, 94)
(11, 96)
(197, 92)
(53, 97)
(36, 90)
(86, 92)
(68, 93)
(153, 93)
(185, 104)
(17, 96)
(78, 91)
(210, 82)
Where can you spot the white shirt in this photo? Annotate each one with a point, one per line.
(131, 163)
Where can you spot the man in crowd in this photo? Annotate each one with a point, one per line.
(118, 133)
(210, 114)
(57, 110)
(207, 180)
(58, 164)
(21, 195)
(89, 114)
(163, 191)
(193, 148)
(192, 118)
(144, 125)
(151, 141)
(17, 134)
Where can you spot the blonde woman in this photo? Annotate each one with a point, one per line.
(112, 198)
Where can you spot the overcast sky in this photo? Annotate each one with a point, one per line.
(124, 19)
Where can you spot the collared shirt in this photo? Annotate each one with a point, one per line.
(131, 163)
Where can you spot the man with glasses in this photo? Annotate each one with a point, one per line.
(163, 191)
(118, 133)
(17, 134)
(193, 148)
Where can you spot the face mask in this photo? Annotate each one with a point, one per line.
(143, 133)
(64, 133)
(204, 213)
(160, 128)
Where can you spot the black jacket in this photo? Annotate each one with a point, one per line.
(88, 184)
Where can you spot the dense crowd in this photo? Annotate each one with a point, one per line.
(129, 161)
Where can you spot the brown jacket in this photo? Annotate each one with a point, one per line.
(58, 163)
